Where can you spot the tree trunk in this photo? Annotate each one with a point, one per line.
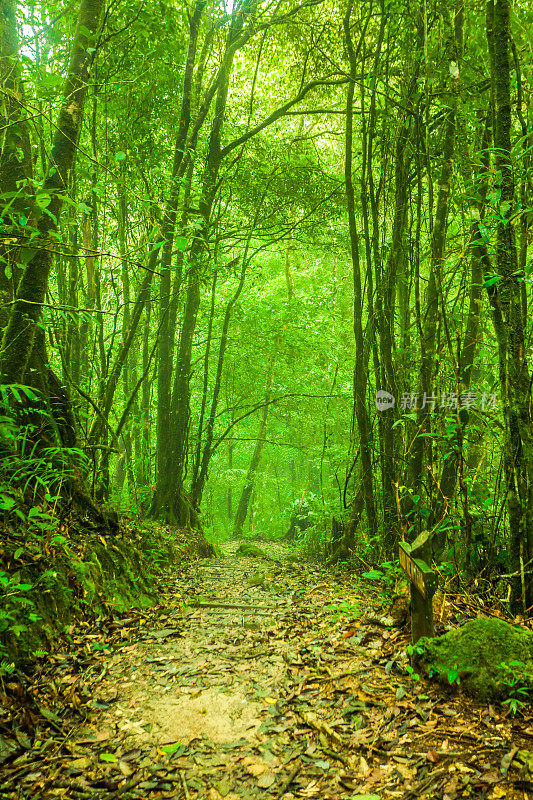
(202, 466)
(171, 499)
(515, 377)
(360, 409)
(242, 508)
(166, 329)
(429, 322)
(19, 335)
(15, 157)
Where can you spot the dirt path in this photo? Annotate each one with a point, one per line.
(260, 678)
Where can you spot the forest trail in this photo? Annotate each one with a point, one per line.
(269, 678)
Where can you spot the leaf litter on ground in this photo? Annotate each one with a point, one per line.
(310, 698)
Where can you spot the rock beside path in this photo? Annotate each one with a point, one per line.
(486, 655)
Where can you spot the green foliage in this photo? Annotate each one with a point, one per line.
(386, 576)
(281, 205)
(17, 612)
(477, 656)
(251, 551)
(343, 609)
(453, 676)
(518, 680)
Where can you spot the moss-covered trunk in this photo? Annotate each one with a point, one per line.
(171, 500)
(360, 409)
(515, 375)
(15, 158)
(20, 332)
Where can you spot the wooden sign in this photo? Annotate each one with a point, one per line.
(412, 568)
(423, 585)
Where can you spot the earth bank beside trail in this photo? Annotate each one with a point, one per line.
(256, 677)
(77, 568)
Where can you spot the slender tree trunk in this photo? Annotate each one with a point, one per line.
(361, 411)
(430, 318)
(108, 394)
(386, 314)
(249, 483)
(202, 466)
(145, 471)
(171, 500)
(516, 381)
(19, 335)
(15, 156)
(207, 357)
(166, 332)
(467, 351)
(85, 368)
(128, 373)
(73, 349)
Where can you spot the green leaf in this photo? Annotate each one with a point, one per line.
(50, 81)
(373, 575)
(485, 235)
(181, 243)
(110, 757)
(31, 394)
(6, 503)
(453, 675)
(505, 207)
(43, 200)
(120, 156)
(171, 748)
(491, 281)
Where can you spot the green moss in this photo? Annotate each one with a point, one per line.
(477, 651)
(88, 575)
(260, 578)
(251, 551)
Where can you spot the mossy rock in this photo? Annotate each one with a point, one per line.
(251, 551)
(260, 578)
(294, 558)
(478, 650)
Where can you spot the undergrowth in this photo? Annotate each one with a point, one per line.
(59, 558)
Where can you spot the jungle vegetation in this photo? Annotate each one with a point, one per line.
(272, 259)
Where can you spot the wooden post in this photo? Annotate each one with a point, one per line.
(423, 586)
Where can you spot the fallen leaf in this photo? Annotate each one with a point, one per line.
(80, 763)
(507, 759)
(266, 780)
(364, 769)
(256, 769)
